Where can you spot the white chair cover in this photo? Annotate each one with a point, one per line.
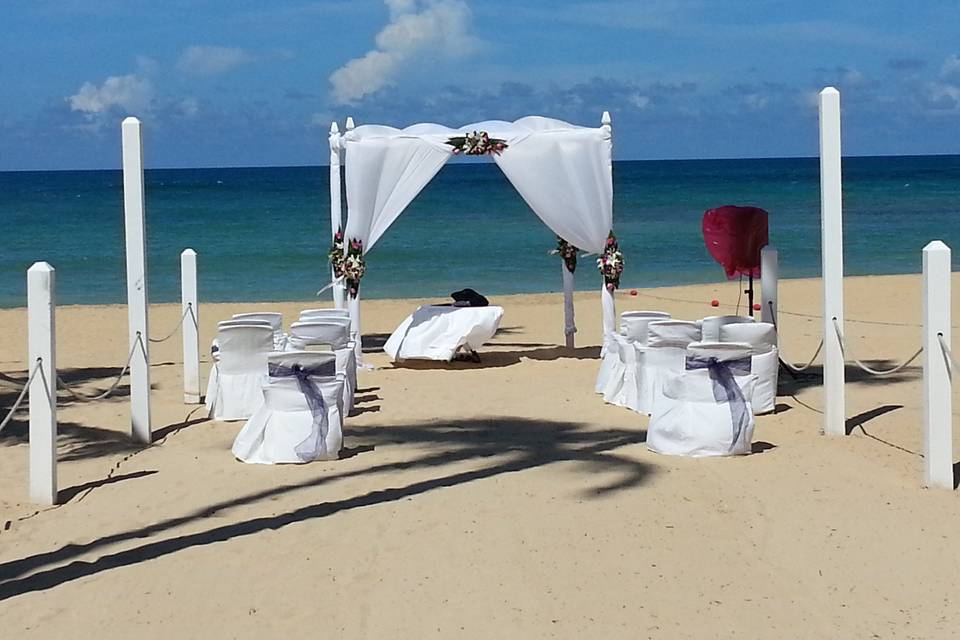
(687, 417)
(623, 389)
(665, 350)
(285, 430)
(323, 314)
(233, 389)
(276, 321)
(710, 326)
(764, 360)
(635, 326)
(434, 332)
(656, 315)
(332, 331)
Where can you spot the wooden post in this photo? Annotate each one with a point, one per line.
(569, 314)
(336, 205)
(937, 374)
(831, 231)
(607, 304)
(134, 217)
(769, 284)
(41, 347)
(190, 312)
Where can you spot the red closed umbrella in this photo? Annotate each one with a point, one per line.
(734, 237)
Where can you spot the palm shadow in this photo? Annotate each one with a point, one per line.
(495, 359)
(498, 446)
(791, 383)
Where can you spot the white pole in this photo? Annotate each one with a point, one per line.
(336, 206)
(134, 217)
(607, 304)
(190, 312)
(769, 283)
(353, 303)
(569, 316)
(831, 232)
(937, 377)
(41, 346)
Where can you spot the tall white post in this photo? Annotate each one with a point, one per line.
(769, 283)
(569, 315)
(336, 206)
(937, 374)
(831, 232)
(41, 346)
(134, 218)
(608, 306)
(190, 329)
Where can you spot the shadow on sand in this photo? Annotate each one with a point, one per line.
(497, 446)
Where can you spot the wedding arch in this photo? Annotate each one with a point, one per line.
(562, 171)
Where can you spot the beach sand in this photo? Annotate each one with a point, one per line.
(500, 499)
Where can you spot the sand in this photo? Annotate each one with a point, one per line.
(503, 499)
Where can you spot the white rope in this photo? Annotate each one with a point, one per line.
(951, 362)
(188, 310)
(16, 405)
(332, 283)
(783, 360)
(85, 398)
(875, 372)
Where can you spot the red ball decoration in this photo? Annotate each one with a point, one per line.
(633, 292)
(714, 303)
(756, 306)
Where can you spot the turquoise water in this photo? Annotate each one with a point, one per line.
(263, 233)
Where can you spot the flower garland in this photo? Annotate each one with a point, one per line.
(568, 252)
(354, 266)
(336, 254)
(476, 144)
(610, 263)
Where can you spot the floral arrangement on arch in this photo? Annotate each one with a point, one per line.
(476, 144)
(610, 263)
(336, 254)
(354, 266)
(569, 254)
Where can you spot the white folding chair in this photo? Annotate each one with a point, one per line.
(764, 359)
(335, 333)
(629, 317)
(322, 314)
(705, 409)
(665, 350)
(633, 325)
(233, 389)
(274, 318)
(710, 326)
(215, 344)
(622, 389)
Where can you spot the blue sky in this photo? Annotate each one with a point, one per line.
(239, 83)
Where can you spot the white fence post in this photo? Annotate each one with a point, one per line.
(190, 328)
(769, 284)
(569, 313)
(134, 217)
(336, 205)
(41, 343)
(831, 232)
(937, 391)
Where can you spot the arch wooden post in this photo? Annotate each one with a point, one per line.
(134, 216)
(769, 284)
(41, 347)
(336, 205)
(189, 329)
(831, 231)
(608, 306)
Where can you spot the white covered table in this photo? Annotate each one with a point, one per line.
(435, 332)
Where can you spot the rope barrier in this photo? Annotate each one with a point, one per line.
(951, 361)
(875, 372)
(23, 393)
(85, 398)
(783, 358)
(18, 382)
(188, 310)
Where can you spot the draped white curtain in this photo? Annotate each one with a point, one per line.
(562, 171)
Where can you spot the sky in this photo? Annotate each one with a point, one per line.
(244, 83)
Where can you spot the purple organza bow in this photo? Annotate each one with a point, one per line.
(725, 388)
(307, 449)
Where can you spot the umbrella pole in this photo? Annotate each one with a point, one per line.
(750, 295)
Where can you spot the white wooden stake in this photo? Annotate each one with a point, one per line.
(134, 217)
(569, 314)
(831, 232)
(769, 284)
(190, 312)
(41, 346)
(937, 375)
(336, 206)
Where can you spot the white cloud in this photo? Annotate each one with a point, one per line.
(950, 70)
(208, 60)
(129, 93)
(415, 27)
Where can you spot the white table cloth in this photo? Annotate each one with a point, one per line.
(435, 332)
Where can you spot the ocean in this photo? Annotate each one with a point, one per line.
(263, 233)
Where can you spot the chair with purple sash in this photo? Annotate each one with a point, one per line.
(705, 410)
(301, 418)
